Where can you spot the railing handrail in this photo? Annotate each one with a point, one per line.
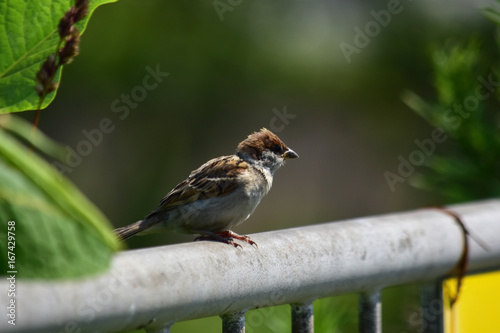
(162, 285)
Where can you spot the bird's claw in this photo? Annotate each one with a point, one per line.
(232, 234)
(226, 237)
(218, 239)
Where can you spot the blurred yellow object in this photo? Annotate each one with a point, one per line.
(478, 307)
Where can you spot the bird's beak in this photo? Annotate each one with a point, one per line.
(289, 154)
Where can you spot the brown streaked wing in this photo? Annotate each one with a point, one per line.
(214, 178)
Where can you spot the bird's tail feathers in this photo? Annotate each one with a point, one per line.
(129, 230)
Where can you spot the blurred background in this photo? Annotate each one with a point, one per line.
(233, 69)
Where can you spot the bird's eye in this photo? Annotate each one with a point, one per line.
(276, 148)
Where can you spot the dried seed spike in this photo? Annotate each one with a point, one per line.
(42, 77)
(66, 23)
(47, 70)
(51, 87)
(71, 37)
(82, 9)
(81, 3)
(45, 76)
(50, 65)
(39, 89)
(70, 49)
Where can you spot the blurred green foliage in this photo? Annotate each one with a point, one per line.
(48, 228)
(466, 110)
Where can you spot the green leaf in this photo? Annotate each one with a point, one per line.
(58, 232)
(36, 139)
(28, 35)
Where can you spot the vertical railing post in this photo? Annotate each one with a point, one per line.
(370, 312)
(302, 318)
(432, 307)
(233, 322)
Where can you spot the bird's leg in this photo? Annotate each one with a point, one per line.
(232, 234)
(212, 236)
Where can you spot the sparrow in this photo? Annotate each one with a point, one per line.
(220, 194)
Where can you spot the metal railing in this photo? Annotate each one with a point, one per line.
(155, 287)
